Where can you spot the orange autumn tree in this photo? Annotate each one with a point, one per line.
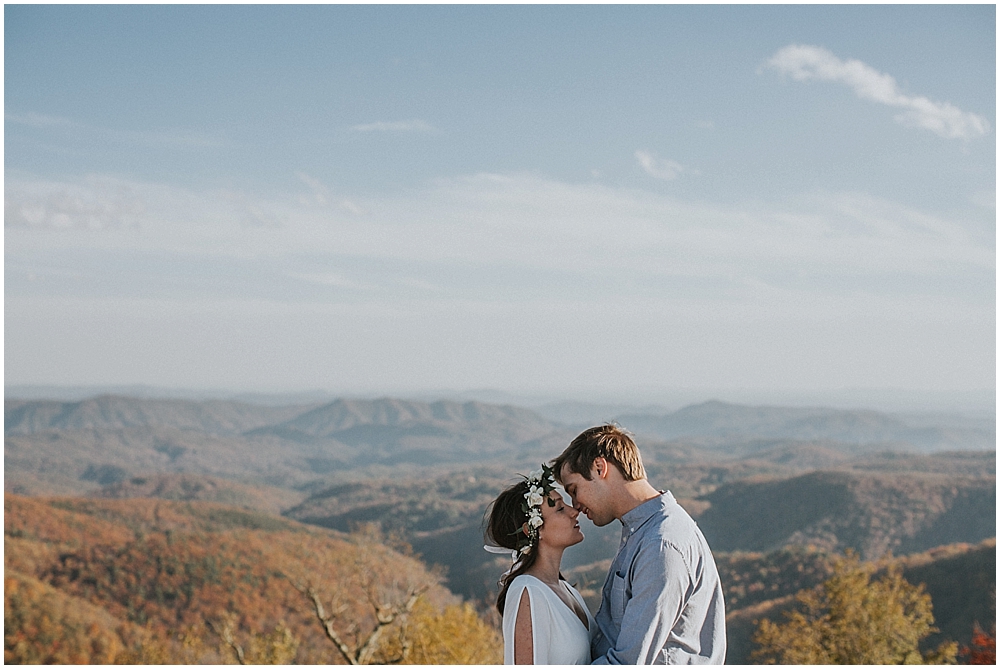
(983, 649)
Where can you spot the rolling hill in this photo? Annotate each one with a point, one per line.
(155, 581)
(870, 513)
(719, 422)
(213, 417)
(75, 447)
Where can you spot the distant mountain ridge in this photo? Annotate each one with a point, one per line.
(70, 447)
(711, 422)
(228, 417)
(718, 421)
(218, 417)
(340, 415)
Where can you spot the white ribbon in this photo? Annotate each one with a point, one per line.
(500, 550)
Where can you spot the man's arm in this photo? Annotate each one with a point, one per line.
(661, 586)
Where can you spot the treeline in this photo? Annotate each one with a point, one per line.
(147, 581)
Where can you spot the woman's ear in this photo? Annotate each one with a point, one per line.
(524, 528)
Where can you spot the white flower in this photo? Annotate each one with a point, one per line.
(534, 498)
(525, 549)
(535, 475)
(535, 521)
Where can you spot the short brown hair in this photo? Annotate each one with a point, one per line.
(608, 441)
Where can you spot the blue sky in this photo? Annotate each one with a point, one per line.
(535, 199)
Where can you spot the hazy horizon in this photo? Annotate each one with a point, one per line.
(604, 201)
(980, 402)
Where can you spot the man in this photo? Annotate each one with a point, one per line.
(662, 601)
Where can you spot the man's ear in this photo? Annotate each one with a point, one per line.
(600, 467)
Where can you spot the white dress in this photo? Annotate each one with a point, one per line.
(558, 634)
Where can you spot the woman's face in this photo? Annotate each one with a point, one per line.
(560, 527)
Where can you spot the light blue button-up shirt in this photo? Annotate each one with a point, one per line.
(662, 602)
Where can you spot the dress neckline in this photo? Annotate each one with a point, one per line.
(586, 624)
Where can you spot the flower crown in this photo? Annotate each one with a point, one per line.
(541, 483)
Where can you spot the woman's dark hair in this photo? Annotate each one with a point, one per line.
(504, 527)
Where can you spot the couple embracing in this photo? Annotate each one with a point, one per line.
(662, 601)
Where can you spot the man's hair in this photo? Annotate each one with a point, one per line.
(608, 441)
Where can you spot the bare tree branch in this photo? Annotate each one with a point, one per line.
(385, 615)
(226, 634)
(327, 622)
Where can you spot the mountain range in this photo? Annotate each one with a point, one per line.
(760, 481)
(716, 423)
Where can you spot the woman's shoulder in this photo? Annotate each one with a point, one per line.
(521, 583)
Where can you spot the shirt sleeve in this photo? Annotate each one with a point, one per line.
(660, 587)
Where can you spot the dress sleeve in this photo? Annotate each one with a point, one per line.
(541, 629)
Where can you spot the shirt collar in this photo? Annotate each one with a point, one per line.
(635, 518)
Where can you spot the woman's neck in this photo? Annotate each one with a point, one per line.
(546, 567)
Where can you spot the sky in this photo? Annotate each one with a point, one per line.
(569, 200)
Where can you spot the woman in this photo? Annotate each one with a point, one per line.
(545, 620)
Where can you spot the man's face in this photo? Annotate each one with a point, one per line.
(589, 497)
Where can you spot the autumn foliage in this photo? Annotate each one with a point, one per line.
(148, 581)
(851, 619)
(982, 650)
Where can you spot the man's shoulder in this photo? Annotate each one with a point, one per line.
(672, 515)
(673, 528)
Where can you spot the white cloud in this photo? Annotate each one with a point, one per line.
(352, 206)
(805, 62)
(660, 168)
(321, 194)
(327, 279)
(489, 276)
(510, 223)
(183, 139)
(93, 205)
(40, 120)
(985, 198)
(415, 125)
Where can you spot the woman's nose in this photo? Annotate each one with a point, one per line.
(574, 511)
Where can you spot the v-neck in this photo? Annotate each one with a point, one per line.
(585, 620)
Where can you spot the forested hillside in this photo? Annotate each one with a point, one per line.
(152, 581)
(870, 513)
